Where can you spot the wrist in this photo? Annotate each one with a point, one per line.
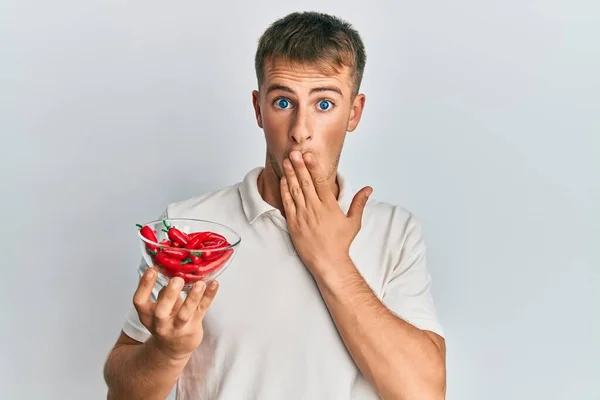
(335, 273)
(163, 356)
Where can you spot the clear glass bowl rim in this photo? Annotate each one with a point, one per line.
(151, 223)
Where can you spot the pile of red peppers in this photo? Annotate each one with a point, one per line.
(188, 256)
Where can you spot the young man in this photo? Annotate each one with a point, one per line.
(329, 295)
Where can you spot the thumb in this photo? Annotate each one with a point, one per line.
(357, 207)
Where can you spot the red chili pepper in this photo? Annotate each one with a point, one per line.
(173, 264)
(196, 259)
(210, 265)
(216, 236)
(213, 244)
(148, 233)
(188, 277)
(204, 268)
(194, 234)
(178, 237)
(179, 254)
(196, 240)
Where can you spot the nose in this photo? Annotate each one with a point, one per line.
(301, 129)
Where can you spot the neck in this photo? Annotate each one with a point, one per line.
(269, 187)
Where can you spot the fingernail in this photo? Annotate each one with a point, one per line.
(213, 285)
(178, 283)
(369, 191)
(198, 287)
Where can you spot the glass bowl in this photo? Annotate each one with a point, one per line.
(192, 249)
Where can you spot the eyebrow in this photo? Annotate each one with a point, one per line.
(313, 90)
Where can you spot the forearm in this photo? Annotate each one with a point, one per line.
(400, 360)
(141, 372)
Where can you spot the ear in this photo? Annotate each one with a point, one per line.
(256, 104)
(356, 111)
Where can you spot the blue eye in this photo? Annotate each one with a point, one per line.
(325, 105)
(283, 103)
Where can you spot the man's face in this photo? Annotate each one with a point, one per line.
(300, 108)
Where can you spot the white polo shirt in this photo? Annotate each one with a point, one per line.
(268, 333)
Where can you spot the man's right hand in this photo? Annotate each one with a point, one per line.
(175, 324)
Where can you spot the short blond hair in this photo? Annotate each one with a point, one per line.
(311, 38)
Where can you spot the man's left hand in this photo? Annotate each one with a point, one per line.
(321, 232)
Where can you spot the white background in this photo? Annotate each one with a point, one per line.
(482, 118)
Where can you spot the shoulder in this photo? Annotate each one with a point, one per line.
(225, 200)
(395, 230)
(397, 219)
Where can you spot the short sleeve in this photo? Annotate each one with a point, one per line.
(132, 326)
(407, 292)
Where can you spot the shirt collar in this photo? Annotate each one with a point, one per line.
(254, 206)
(252, 202)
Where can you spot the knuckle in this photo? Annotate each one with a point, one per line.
(203, 305)
(140, 307)
(192, 298)
(305, 183)
(289, 202)
(137, 302)
(161, 313)
(320, 180)
(182, 318)
(205, 302)
(296, 190)
(161, 330)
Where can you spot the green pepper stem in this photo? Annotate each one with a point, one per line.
(187, 261)
(151, 252)
(165, 224)
(139, 226)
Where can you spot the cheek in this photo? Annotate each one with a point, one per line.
(276, 137)
(334, 121)
(273, 122)
(335, 128)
